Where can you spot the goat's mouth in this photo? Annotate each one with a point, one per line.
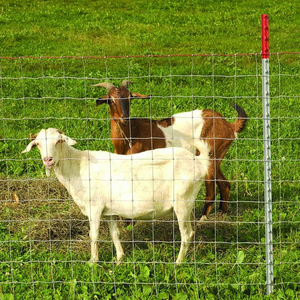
(124, 122)
(49, 165)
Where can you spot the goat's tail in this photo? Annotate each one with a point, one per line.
(203, 152)
(240, 124)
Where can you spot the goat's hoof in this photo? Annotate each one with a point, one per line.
(119, 260)
(203, 218)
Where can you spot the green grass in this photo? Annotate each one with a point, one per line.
(98, 28)
(44, 244)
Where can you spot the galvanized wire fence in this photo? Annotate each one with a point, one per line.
(44, 237)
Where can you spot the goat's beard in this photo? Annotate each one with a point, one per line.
(49, 168)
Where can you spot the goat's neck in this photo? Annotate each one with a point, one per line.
(68, 167)
(118, 130)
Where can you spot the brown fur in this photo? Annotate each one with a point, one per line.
(219, 134)
(32, 137)
(130, 135)
(138, 132)
(166, 122)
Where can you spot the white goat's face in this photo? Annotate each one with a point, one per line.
(49, 143)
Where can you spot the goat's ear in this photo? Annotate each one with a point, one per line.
(139, 96)
(30, 146)
(66, 139)
(33, 137)
(104, 100)
(61, 132)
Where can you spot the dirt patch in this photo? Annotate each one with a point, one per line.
(45, 214)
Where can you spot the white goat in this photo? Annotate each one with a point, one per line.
(142, 186)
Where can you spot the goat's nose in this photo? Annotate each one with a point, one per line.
(48, 159)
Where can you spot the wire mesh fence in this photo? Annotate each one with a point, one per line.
(45, 245)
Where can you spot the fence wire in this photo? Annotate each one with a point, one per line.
(44, 243)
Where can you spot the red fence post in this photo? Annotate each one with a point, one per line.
(264, 36)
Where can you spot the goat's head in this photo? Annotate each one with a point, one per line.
(48, 141)
(119, 100)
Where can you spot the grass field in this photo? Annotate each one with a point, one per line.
(44, 243)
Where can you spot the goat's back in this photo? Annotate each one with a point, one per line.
(148, 165)
(185, 128)
(143, 185)
(205, 124)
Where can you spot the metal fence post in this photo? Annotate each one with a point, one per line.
(267, 152)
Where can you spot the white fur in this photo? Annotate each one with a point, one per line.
(185, 131)
(143, 186)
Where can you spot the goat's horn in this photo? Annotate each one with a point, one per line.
(126, 83)
(106, 85)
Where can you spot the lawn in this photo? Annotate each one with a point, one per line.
(53, 51)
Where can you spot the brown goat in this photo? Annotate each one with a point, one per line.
(126, 131)
(134, 135)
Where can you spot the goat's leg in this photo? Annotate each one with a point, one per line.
(94, 233)
(224, 188)
(210, 186)
(114, 232)
(185, 227)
